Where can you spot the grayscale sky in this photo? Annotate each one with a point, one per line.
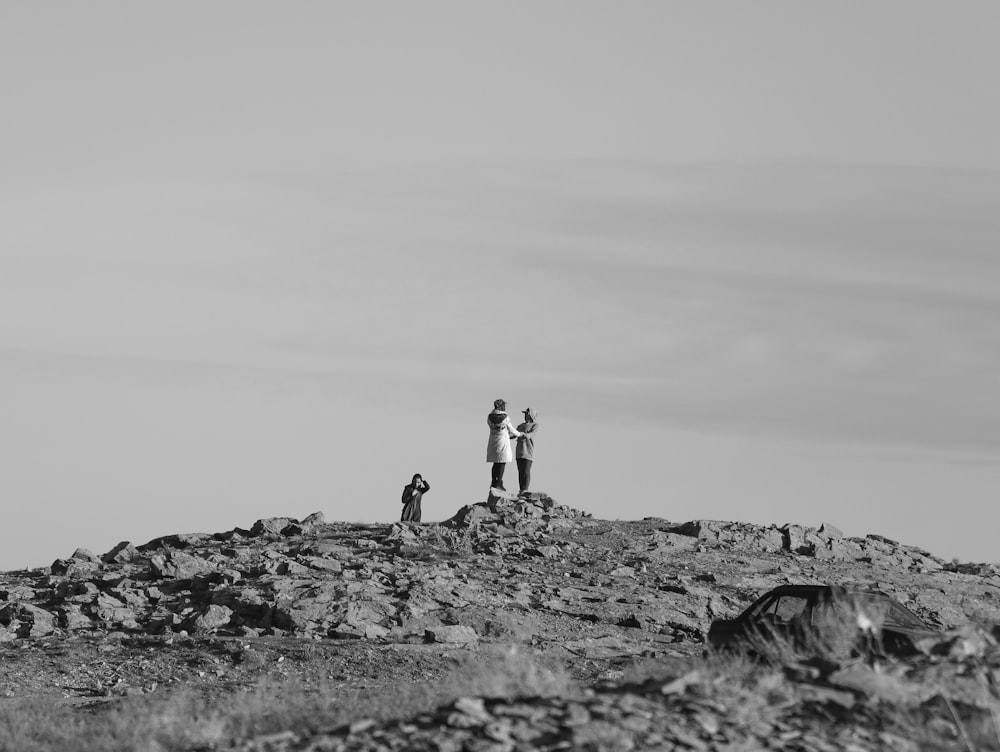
(264, 259)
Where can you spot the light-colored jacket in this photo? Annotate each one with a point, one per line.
(501, 431)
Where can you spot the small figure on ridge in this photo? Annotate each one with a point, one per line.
(412, 494)
(526, 448)
(498, 449)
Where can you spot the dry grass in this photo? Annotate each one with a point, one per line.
(918, 714)
(186, 719)
(848, 629)
(754, 692)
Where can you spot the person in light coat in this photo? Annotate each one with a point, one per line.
(498, 449)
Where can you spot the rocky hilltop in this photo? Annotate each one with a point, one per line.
(621, 608)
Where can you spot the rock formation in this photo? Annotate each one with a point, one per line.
(509, 570)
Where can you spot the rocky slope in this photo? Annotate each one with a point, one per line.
(366, 605)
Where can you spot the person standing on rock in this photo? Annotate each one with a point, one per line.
(412, 494)
(525, 453)
(498, 449)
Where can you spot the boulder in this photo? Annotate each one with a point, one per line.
(301, 528)
(523, 512)
(120, 554)
(495, 496)
(303, 616)
(177, 540)
(248, 604)
(212, 618)
(322, 564)
(829, 531)
(538, 497)
(291, 567)
(131, 597)
(470, 515)
(795, 539)
(845, 549)
(111, 611)
(877, 544)
(71, 617)
(708, 531)
(818, 546)
(345, 631)
(178, 565)
(454, 634)
(162, 622)
(74, 567)
(665, 539)
(77, 591)
(769, 539)
(403, 532)
(271, 526)
(363, 612)
(33, 620)
(526, 509)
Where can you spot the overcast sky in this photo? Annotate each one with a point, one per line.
(268, 259)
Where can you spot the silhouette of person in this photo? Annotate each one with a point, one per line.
(498, 450)
(412, 494)
(525, 453)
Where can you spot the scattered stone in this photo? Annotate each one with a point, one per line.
(120, 554)
(665, 539)
(72, 618)
(878, 686)
(272, 526)
(211, 619)
(457, 633)
(523, 570)
(34, 621)
(830, 531)
(795, 539)
(178, 565)
(177, 540)
(74, 568)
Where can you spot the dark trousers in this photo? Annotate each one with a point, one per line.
(523, 473)
(497, 479)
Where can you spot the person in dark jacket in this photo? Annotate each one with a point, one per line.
(525, 453)
(412, 494)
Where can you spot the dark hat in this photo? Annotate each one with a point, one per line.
(499, 404)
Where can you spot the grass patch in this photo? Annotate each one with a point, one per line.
(187, 718)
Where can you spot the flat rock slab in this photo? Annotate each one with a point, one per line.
(454, 634)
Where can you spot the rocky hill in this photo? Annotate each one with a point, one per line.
(572, 633)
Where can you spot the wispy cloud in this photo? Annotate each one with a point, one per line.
(799, 301)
